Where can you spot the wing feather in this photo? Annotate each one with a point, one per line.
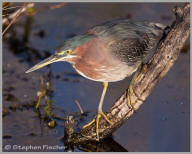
(129, 41)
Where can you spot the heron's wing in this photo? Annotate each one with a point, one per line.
(130, 41)
(125, 28)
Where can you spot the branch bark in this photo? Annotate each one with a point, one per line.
(148, 76)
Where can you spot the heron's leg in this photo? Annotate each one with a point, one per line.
(129, 98)
(100, 111)
(131, 90)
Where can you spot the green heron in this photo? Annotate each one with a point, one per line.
(108, 52)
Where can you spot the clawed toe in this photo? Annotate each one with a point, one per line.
(97, 119)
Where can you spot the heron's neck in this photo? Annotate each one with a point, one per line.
(81, 39)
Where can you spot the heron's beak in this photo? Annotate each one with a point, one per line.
(49, 60)
(45, 62)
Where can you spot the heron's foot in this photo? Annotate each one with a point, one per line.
(89, 124)
(129, 99)
(99, 114)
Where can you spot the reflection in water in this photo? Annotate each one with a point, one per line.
(107, 145)
(161, 124)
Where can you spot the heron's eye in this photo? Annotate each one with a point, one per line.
(68, 51)
(64, 52)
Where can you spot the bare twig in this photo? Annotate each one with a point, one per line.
(14, 15)
(49, 7)
(20, 12)
(78, 104)
(9, 8)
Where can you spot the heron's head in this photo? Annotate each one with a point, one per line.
(64, 52)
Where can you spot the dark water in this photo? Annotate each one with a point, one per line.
(161, 123)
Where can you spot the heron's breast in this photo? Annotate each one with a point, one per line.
(104, 73)
(96, 63)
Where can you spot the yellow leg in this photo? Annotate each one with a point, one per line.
(131, 91)
(104, 116)
(98, 117)
(129, 99)
(100, 112)
(97, 125)
(89, 124)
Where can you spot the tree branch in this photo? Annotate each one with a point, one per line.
(146, 78)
